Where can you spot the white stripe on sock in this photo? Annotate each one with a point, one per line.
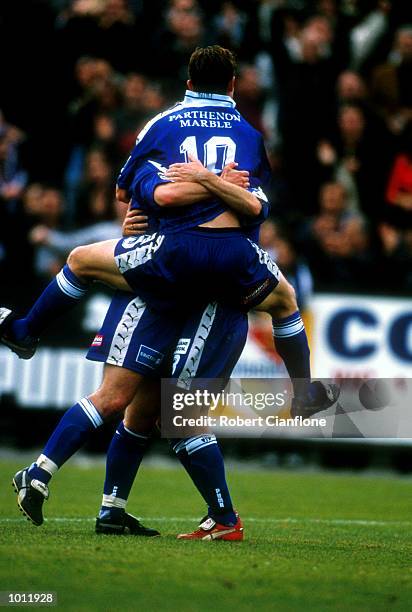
(292, 329)
(68, 288)
(90, 410)
(136, 435)
(194, 444)
(46, 464)
(110, 501)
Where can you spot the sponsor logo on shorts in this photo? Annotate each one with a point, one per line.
(182, 346)
(149, 357)
(98, 340)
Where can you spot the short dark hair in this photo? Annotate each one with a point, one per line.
(211, 69)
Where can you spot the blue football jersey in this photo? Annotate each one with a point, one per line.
(206, 127)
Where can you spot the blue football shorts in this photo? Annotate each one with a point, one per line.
(195, 266)
(204, 343)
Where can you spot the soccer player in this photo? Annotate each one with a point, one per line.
(153, 266)
(188, 252)
(136, 329)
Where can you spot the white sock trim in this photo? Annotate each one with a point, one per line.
(68, 287)
(46, 464)
(192, 445)
(90, 410)
(282, 330)
(133, 433)
(110, 501)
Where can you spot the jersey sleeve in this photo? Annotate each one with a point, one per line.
(256, 189)
(145, 182)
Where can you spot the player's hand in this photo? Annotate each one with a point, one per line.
(135, 222)
(39, 235)
(236, 177)
(191, 172)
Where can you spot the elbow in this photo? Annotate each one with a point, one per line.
(255, 208)
(164, 196)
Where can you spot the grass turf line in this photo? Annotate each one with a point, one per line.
(362, 563)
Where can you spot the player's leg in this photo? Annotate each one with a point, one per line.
(95, 262)
(124, 457)
(74, 429)
(292, 346)
(84, 264)
(210, 347)
(261, 285)
(289, 334)
(135, 338)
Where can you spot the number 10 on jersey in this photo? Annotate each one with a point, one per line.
(218, 151)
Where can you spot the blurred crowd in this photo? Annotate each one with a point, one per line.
(328, 83)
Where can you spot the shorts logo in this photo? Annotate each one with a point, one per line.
(130, 242)
(182, 346)
(98, 340)
(149, 357)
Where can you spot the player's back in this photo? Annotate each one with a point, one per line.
(203, 126)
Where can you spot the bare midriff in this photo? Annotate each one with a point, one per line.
(226, 219)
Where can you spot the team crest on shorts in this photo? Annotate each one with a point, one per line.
(98, 340)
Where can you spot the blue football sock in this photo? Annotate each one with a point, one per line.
(124, 456)
(71, 433)
(60, 295)
(202, 459)
(292, 346)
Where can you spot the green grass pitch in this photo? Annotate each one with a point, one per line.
(312, 542)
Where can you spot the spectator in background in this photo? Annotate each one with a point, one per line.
(351, 88)
(336, 241)
(91, 118)
(392, 83)
(268, 237)
(97, 93)
(45, 205)
(58, 244)
(94, 201)
(229, 27)
(184, 30)
(119, 41)
(359, 157)
(399, 189)
(13, 177)
(306, 77)
(250, 97)
(140, 100)
(295, 270)
(396, 257)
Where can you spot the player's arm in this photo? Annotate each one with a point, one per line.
(185, 193)
(233, 195)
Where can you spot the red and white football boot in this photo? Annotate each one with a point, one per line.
(210, 530)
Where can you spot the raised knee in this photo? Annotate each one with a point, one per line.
(77, 260)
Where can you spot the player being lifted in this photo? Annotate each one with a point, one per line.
(199, 246)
